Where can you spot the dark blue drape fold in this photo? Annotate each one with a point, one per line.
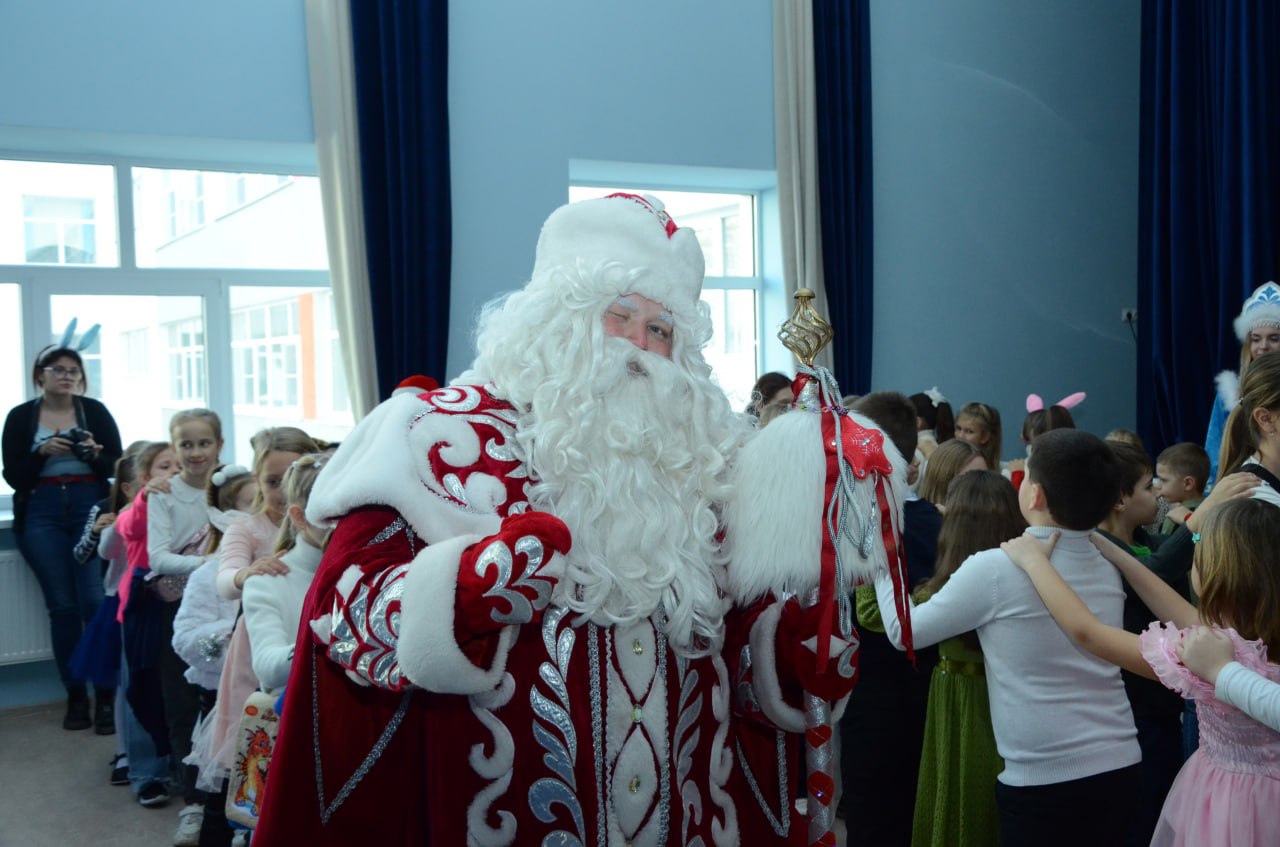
(1209, 198)
(401, 69)
(842, 73)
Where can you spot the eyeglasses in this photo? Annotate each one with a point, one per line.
(60, 371)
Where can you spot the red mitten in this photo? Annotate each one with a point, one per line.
(507, 578)
(798, 663)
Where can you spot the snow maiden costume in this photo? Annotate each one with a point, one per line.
(518, 634)
(1262, 309)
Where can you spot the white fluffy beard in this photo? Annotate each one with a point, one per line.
(628, 456)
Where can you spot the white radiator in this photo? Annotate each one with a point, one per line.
(24, 621)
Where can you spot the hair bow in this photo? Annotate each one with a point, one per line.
(935, 396)
(227, 473)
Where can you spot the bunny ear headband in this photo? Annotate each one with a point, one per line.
(1035, 403)
(86, 340)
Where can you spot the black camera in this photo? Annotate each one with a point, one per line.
(80, 447)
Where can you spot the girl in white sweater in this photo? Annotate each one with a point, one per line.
(177, 534)
(273, 607)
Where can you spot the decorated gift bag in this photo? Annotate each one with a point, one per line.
(259, 722)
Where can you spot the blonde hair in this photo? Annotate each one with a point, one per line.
(276, 439)
(209, 416)
(1259, 389)
(944, 465)
(989, 418)
(298, 482)
(1239, 584)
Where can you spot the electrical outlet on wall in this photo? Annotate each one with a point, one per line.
(1128, 315)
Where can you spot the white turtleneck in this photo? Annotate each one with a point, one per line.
(272, 610)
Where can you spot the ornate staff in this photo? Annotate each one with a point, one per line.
(831, 520)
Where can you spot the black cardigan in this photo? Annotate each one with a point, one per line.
(22, 466)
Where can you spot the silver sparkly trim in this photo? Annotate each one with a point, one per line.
(387, 532)
(664, 778)
(379, 747)
(499, 555)
(781, 828)
(562, 749)
(368, 629)
(743, 689)
(597, 725)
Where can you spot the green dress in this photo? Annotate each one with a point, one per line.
(955, 794)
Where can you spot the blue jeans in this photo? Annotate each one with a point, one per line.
(55, 518)
(145, 766)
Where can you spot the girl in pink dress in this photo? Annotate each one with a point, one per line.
(1228, 793)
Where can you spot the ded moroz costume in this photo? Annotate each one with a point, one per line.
(519, 632)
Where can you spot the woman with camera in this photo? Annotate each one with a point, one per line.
(60, 450)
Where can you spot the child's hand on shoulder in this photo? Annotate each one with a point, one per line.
(1228, 488)
(104, 520)
(157, 485)
(1206, 652)
(1027, 551)
(268, 565)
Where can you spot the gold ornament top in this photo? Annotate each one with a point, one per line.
(806, 332)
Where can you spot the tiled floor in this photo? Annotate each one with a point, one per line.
(54, 790)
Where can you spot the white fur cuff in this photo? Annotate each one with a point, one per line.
(764, 664)
(429, 653)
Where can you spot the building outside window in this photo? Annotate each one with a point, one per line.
(186, 362)
(265, 343)
(59, 230)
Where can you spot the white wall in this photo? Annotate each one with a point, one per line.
(1006, 202)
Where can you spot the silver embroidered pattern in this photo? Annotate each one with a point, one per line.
(745, 691)
(780, 827)
(664, 778)
(387, 532)
(499, 555)
(597, 725)
(383, 664)
(562, 749)
(375, 753)
(364, 639)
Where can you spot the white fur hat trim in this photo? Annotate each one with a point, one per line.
(1261, 309)
(632, 230)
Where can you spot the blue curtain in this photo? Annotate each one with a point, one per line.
(1209, 198)
(401, 69)
(842, 73)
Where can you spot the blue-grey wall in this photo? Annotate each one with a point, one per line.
(1006, 184)
(213, 82)
(535, 85)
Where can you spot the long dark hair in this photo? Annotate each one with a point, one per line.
(982, 511)
(936, 416)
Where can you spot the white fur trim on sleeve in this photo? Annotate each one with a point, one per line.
(764, 664)
(429, 653)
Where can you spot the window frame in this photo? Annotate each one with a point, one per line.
(39, 283)
(756, 283)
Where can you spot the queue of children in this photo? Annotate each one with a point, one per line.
(182, 630)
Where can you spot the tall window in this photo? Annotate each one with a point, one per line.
(725, 225)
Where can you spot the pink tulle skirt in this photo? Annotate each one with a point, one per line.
(1209, 806)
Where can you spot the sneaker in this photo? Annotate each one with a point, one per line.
(153, 795)
(104, 715)
(189, 821)
(240, 839)
(77, 711)
(120, 769)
